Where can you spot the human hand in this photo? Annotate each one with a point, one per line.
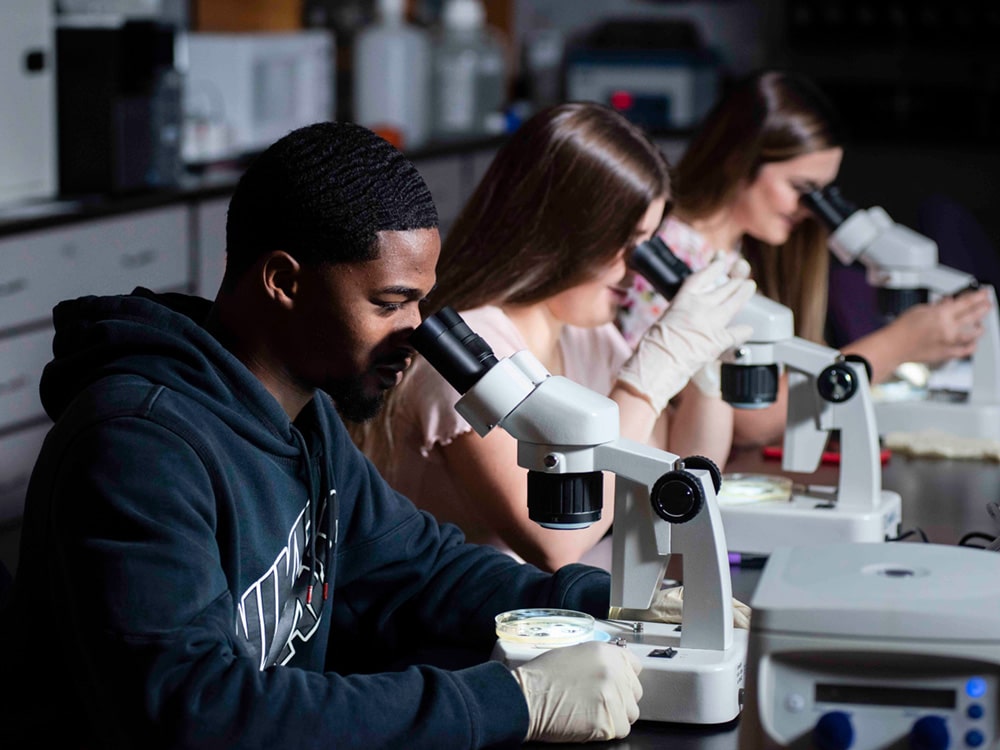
(946, 329)
(668, 606)
(692, 332)
(580, 693)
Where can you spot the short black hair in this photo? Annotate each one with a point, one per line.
(321, 193)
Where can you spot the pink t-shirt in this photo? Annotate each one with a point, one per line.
(425, 418)
(643, 306)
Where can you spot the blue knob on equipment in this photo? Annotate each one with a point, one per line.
(833, 731)
(929, 733)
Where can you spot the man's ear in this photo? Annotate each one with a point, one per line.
(280, 273)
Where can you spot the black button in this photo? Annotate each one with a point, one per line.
(34, 61)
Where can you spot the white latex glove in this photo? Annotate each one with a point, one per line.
(580, 693)
(693, 332)
(668, 606)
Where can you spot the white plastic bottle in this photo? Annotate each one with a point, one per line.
(469, 74)
(392, 61)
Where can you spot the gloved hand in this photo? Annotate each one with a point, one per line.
(709, 378)
(692, 332)
(579, 693)
(668, 606)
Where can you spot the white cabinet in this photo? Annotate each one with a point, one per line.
(18, 451)
(40, 268)
(21, 361)
(210, 245)
(104, 256)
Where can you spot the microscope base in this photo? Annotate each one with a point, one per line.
(964, 419)
(694, 686)
(807, 520)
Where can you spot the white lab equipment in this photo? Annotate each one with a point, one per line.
(867, 646)
(904, 266)
(826, 392)
(566, 437)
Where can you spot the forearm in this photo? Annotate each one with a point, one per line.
(884, 349)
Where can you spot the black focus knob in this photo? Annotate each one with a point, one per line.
(749, 386)
(677, 496)
(837, 383)
(704, 462)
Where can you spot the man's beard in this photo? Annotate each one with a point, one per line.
(353, 403)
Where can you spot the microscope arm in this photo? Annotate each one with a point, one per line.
(567, 435)
(826, 393)
(642, 543)
(819, 400)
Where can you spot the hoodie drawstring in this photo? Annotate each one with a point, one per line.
(328, 513)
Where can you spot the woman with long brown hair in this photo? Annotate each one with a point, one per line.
(737, 190)
(537, 260)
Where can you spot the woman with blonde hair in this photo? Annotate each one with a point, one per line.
(737, 190)
(537, 260)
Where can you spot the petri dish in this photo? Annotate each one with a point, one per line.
(750, 489)
(544, 628)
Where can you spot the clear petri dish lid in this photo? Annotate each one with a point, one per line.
(750, 489)
(545, 628)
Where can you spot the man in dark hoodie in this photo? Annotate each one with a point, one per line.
(207, 561)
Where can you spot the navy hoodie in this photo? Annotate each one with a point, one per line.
(197, 571)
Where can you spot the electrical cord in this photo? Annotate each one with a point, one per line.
(973, 535)
(915, 531)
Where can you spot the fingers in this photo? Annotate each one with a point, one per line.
(740, 269)
(707, 278)
(740, 333)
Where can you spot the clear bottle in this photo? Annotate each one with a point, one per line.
(392, 60)
(469, 74)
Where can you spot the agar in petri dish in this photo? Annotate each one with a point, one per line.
(545, 628)
(749, 489)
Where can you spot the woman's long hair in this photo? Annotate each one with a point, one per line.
(768, 117)
(561, 198)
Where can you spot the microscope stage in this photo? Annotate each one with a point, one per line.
(807, 519)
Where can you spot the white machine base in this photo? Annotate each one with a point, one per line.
(692, 686)
(807, 520)
(956, 418)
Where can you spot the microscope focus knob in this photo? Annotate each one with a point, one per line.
(833, 731)
(677, 496)
(837, 383)
(704, 462)
(929, 733)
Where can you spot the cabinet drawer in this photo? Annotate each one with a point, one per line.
(21, 361)
(211, 246)
(18, 452)
(105, 256)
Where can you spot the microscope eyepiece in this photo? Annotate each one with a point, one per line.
(829, 206)
(659, 266)
(445, 340)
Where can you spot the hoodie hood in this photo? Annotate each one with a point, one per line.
(158, 338)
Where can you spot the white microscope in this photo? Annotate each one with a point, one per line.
(904, 266)
(826, 392)
(567, 436)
